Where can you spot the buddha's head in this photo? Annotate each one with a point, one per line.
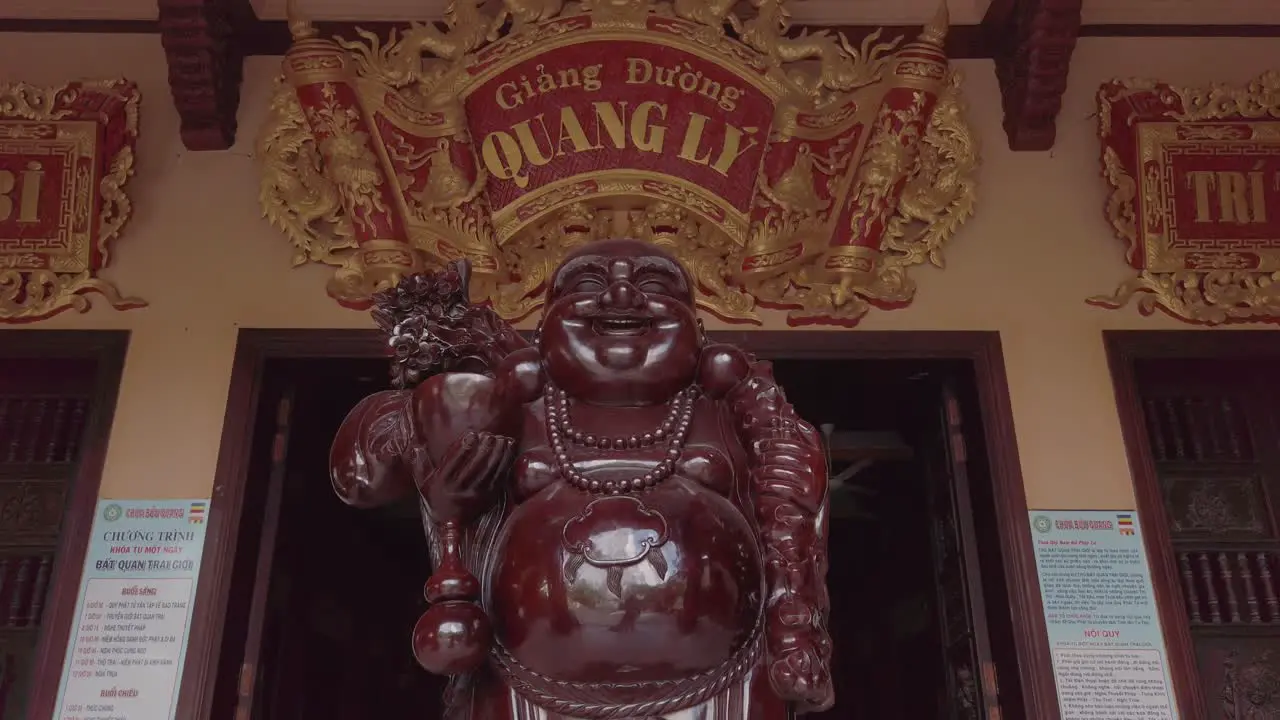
(619, 325)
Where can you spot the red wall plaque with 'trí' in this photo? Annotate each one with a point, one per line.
(1195, 195)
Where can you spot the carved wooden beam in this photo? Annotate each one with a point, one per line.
(205, 67)
(205, 42)
(1032, 42)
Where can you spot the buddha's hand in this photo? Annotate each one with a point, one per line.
(798, 653)
(466, 481)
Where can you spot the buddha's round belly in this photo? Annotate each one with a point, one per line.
(635, 588)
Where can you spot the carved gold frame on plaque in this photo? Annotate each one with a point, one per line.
(1140, 122)
(94, 126)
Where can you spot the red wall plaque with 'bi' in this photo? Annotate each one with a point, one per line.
(65, 155)
(1195, 193)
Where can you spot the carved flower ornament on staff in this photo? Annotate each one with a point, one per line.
(786, 170)
(431, 326)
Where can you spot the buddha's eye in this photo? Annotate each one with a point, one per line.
(588, 284)
(654, 286)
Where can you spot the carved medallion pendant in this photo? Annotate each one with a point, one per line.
(614, 533)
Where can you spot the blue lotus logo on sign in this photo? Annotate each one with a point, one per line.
(112, 513)
(1042, 524)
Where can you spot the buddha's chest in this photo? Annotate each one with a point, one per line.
(625, 447)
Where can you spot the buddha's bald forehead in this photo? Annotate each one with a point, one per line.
(588, 262)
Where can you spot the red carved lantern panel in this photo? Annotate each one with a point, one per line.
(43, 407)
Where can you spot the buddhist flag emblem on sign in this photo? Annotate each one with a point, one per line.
(196, 513)
(1125, 523)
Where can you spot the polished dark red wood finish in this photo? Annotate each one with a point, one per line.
(73, 390)
(627, 520)
(1174, 389)
(260, 350)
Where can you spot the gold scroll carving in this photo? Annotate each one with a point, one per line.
(786, 170)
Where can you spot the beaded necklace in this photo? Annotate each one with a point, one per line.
(673, 431)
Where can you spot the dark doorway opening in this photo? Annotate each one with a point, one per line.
(323, 592)
(914, 551)
(323, 597)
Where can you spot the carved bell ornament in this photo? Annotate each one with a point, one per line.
(786, 170)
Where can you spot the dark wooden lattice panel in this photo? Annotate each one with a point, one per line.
(1205, 426)
(41, 429)
(1231, 586)
(1215, 442)
(1216, 446)
(44, 405)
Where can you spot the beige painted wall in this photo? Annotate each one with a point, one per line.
(198, 250)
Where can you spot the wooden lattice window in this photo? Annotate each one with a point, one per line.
(44, 408)
(1214, 431)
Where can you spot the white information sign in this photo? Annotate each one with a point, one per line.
(1109, 658)
(133, 614)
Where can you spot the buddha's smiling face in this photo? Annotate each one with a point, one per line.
(619, 325)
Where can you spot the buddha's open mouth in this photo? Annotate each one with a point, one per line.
(620, 326)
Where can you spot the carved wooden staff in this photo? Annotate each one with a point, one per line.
(460, 356)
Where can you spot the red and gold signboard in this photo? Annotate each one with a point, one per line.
(65, 155)
(509, 139)
(677, 121)
(1195, 195)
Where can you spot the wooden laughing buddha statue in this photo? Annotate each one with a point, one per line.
(626, 521)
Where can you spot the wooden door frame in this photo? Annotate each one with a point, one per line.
(107, 350)
(1124, 349)
(255, 347)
